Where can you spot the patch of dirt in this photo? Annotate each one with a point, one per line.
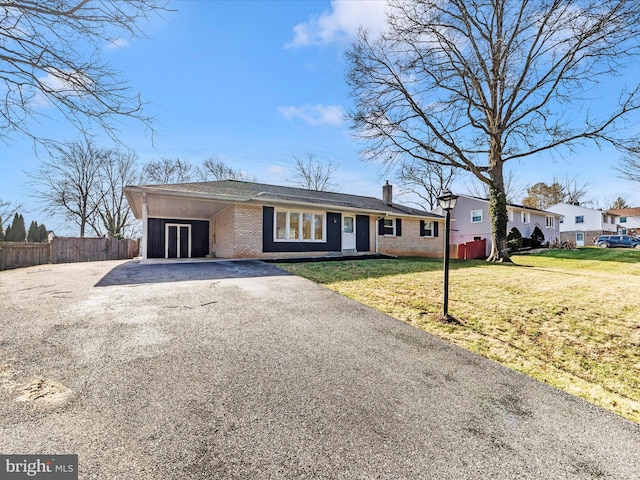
(39, 392)
(43, 393)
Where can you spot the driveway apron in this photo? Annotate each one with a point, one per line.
(238, 370)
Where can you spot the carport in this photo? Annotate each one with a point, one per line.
(176, 224)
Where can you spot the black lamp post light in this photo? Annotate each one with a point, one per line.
(447, 202)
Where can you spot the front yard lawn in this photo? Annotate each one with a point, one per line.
(568, 318)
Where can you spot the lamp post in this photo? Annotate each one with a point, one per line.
(447, 202)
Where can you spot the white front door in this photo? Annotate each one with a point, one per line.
(579, 239)
(348, 232)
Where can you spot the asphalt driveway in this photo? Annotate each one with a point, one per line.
(238, 370)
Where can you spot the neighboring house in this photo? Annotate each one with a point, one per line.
(233, 219)
(627, 220)
(471, 221)
(582, 224)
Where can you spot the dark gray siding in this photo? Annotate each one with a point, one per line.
(333, 243)
(199, 237)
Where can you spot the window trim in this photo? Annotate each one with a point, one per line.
(481, 216)
(550, 221)
(623, 220)
(301, 214)
(581, 221)
(525, 218)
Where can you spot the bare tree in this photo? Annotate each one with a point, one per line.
(166, 171)
(314, 174)
(69, 182)
(218, 170)
(630, 167)
(425, 180)
(113, 216)
(575, 189)
(50, 54)
(513, 188)
(567, 190)
(612, 203)
(476, 84)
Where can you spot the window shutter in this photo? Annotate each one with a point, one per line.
(398, 227)
(381, 226)
(422, 234)
(435, 229)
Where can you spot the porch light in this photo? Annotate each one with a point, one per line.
(447, 202)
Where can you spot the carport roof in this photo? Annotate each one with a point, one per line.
(233, 191)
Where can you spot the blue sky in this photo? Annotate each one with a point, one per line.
(255, 83)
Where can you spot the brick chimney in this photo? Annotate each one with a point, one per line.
(387, 193)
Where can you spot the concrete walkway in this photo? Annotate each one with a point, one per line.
(237, 370)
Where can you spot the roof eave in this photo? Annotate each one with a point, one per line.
(340, 208)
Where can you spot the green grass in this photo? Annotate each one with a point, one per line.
(569, 318)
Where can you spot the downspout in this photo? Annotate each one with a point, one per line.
(145, 226)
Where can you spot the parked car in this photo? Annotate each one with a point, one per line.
(612, 241)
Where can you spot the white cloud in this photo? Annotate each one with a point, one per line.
(333, 115)
(117, 43)
(60, 82)
(66, 81)
(275, 169)
(342, 23)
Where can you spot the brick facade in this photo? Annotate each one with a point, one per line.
(236, 232)
(589, 236)
(410, 243)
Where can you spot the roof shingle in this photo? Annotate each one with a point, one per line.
(259, 191)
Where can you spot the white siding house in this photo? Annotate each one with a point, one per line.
(627, 220)
(470, 221)
(582, 224)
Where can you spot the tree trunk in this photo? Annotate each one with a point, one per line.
(499, 220)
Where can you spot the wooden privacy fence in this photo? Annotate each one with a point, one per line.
(65, 250)
(21, 254)
(71, 250)
(470, 250)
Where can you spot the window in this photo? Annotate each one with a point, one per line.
(623, 219)
(318, 227)
(428, 229)
(294, 226)
(476, 216)
(307, 220)
(299, 227)
(348, 225)
(550, 222)
(525, 217)
(389, 226)
(281, 226)
(510, 215)
(580, 219)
